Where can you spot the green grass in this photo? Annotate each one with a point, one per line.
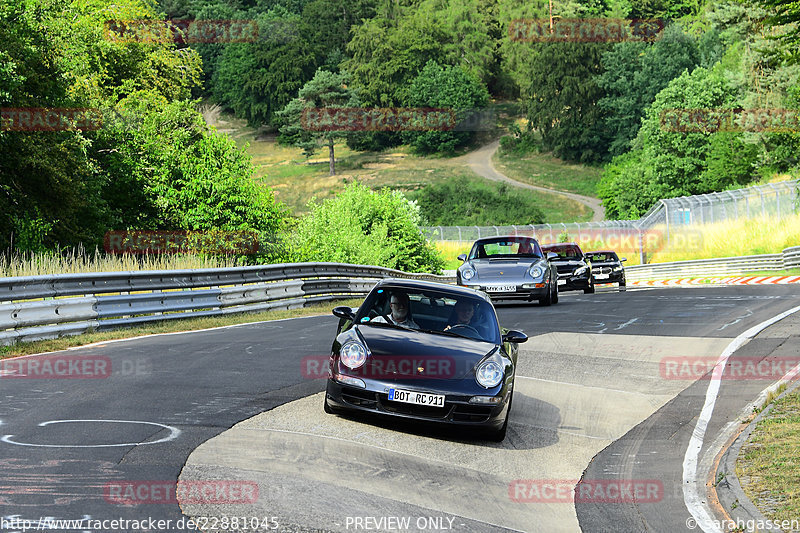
(544, 170)
(190, 324)
(768, 463)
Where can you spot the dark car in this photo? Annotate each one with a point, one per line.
(424, 351)
(607, 267)
(574, 271)
(510, 267)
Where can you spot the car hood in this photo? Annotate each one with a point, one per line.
(564, 266)
(395, 351)
(605, 263)
(496, 268)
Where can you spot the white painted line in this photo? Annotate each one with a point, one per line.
(692, 495)
(173, 434)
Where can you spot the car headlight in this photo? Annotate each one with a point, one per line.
(579, 271)
(353, 354)
(617, 268)
(536, 272)
(467, 274)
(489, 374)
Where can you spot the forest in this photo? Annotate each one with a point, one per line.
(154, 163)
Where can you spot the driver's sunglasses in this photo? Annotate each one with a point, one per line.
(401, 305)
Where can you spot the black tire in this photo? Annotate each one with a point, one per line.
(499, 435)
(547, 300)
(555, 292)
(589, 289)
(622, 284)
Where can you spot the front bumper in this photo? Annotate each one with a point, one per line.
(526, 291)
(613, 277)
(568, 282)
(456, 411)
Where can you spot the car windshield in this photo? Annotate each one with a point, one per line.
(602, 257)
(565, 252)
(506, 247)
(430, 311)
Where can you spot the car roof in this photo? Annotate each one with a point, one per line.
(435, 285)
(601, 252)
(500, 237)
(552, 245)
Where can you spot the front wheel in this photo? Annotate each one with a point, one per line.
(589, 289)
(499, 435)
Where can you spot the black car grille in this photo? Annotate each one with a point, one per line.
(423, 411)
(471, 413)
(602, 270)
(359, 397)
(565, 269)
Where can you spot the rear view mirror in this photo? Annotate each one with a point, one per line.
(344, 312)
(623, 259)
(515, 336)
(462, 257)
(551, 256)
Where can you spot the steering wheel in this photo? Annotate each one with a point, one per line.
(464, 326)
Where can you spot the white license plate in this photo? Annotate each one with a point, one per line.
(562, 282)
(418, 398)
(601, 276)
(501, 288)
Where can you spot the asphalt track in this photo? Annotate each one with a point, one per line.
(593, 403)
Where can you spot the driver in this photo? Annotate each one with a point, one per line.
(463, 313)
(401, 314)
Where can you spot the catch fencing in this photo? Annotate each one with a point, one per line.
(669, 223)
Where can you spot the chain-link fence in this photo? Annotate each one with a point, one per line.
(670, 222)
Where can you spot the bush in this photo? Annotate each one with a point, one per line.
(463, 201)
(365, 227)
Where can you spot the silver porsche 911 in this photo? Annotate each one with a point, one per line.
(510, 267)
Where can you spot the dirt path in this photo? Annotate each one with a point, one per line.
(480, 161)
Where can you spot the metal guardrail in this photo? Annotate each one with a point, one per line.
(789, 258)
(46, 307)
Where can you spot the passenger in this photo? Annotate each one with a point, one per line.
(400, 315)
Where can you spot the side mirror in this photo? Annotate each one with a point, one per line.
(551, 256)
(515, 336)
(623, 259)
(344, 312)
(462, 257)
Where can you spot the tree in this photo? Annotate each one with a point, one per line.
(257, 79)
(667, 161)
(450, 88)
(325, 93)
(633, 73)
(561, 99)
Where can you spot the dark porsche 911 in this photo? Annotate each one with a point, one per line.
(510, 267)
(425, 351)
